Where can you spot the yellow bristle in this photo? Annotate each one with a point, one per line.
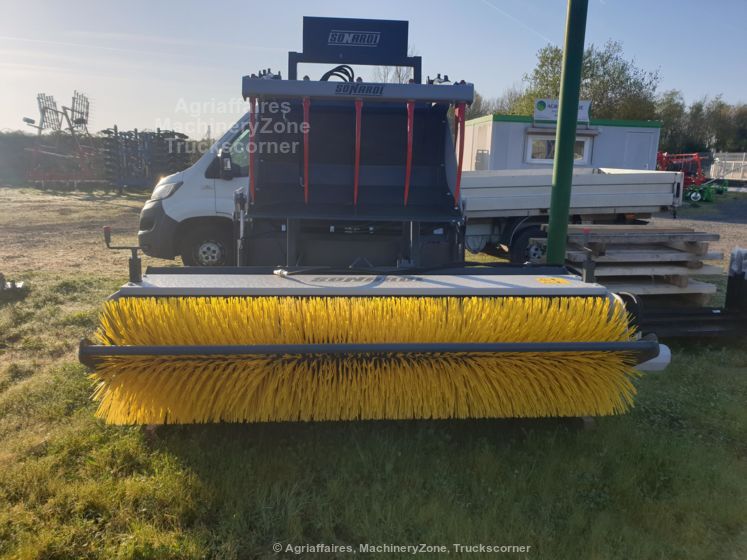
(164, 389)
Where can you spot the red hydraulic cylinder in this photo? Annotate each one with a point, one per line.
(459, 112)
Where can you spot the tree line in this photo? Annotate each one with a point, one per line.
(619, 89)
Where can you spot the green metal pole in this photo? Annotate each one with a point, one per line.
(565, 137)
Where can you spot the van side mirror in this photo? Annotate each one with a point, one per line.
(226, 165)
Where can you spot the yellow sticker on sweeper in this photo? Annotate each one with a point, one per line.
(551, 280)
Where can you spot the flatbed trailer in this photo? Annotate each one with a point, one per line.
(508, 207)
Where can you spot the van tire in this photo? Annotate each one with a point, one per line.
(208, 245)
(520, 244)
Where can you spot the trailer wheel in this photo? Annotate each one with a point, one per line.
(207, 246)
(520, 251)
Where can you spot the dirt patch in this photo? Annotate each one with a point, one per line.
(44, 230)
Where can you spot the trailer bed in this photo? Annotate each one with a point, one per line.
(526, 192)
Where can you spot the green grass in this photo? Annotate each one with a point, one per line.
(667, 481)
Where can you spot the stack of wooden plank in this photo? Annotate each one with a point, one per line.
(645, 260)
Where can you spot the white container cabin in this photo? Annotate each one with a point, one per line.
(497, 142)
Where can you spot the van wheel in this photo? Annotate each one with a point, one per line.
(520, 250)
(208, 246)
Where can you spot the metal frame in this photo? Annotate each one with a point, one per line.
(643, 350)
(458, 281)
(457, 269)
(368, 42)
(453, 93)
(389, 48)
(296, 58)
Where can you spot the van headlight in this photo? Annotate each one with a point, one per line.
(165, 190)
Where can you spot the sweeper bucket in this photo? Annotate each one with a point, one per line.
(185, 348)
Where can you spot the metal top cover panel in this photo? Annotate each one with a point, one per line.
(454, 93)
(321, 285)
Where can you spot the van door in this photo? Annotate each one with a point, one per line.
(224, 188)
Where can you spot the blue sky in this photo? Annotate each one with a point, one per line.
(150, 63)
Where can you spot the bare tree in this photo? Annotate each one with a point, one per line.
(394, 74)
(480, 107)
(507, 102)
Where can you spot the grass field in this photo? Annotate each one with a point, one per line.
(668, 480)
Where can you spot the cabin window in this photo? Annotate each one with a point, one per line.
(240, 154)
(541, 149)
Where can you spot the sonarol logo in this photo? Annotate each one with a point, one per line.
(343, 38)
(348, 88)
(366, 279)
(541, 105)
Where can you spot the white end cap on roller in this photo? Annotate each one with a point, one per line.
(660, 362)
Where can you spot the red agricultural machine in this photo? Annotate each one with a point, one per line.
(697, 186)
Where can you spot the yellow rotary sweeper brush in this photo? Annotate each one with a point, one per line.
(185, 348)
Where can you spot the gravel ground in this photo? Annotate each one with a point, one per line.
(727, 216)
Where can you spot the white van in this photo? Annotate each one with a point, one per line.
(190, 213)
